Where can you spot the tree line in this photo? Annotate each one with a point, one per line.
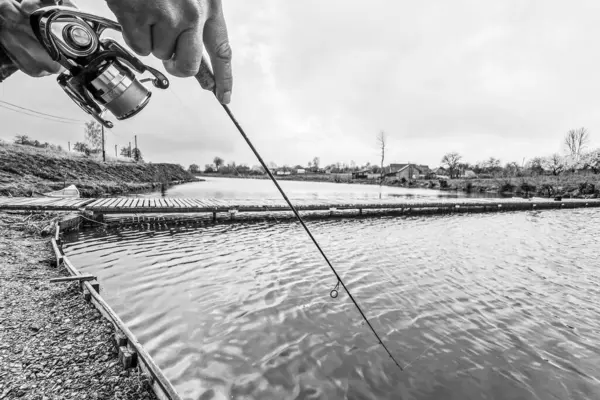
(575, 157)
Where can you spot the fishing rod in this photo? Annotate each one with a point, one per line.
(100, 77)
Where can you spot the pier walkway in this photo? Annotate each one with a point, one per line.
(143, 205)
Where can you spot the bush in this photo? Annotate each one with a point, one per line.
(587, 188)
(443, 183)
(506, 186)
(527, 187)
(547, 189)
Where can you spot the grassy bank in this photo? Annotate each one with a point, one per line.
(565, 185)
(569, 185)
(25, 170)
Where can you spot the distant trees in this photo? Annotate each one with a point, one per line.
(126, 152)
(576, 140)
(82, 148)
(315, 163)
(555, 164)
(93, 135)
(194, 168)
(218, 161)
(137, 155)
(22, 139)
(591, 161)
(208, 168)
(451, 161)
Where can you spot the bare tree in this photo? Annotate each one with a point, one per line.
(576, 140)
(381, 141)
(451, 160)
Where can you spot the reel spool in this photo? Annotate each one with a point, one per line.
(99, 74)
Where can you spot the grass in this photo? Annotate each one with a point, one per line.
(25, 170)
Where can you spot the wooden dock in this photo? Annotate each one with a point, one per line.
(143, 205)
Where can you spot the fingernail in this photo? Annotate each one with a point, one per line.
(226, 98)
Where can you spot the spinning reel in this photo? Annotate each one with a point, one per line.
(99, 72)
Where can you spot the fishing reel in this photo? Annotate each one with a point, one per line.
(99, 74)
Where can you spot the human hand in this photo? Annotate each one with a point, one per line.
(19, 41)
(176, 31)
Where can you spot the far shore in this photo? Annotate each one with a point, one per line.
(564, 185)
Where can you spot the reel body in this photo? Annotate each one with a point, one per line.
(100, 73)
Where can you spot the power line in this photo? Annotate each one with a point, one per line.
(41, 116)
(41, 113)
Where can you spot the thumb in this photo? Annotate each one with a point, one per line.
(29, 6)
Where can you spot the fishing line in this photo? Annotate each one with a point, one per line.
(334, 292)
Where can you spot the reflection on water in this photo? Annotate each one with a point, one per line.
(233, 188)
(484, 306)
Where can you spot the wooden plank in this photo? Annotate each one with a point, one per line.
(120, 203)
(189, 203)
(98, 202)
(162, 203)
(110, 203)
(168, 202)
(128, 203)
(177, 203)
(200, 203)
(114, 203)
(80, 278)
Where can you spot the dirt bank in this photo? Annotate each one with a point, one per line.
(53, 344)
(26, 169)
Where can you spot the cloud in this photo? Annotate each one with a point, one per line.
(322, 78)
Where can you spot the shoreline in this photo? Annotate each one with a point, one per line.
(55, 345)
(568, 186)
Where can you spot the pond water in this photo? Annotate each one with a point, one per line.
(481, 306)
(234, 188)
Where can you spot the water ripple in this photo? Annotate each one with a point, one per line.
(500, 306)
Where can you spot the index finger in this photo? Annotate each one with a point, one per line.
(219, 50)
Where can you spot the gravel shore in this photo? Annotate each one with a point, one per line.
(53, 344)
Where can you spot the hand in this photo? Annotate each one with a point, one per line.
(19, 41)
(176, 31)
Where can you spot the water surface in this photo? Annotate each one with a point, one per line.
(236, 188)
(483, 306)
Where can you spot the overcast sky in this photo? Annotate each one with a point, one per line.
(322, 78)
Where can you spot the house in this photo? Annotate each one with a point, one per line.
(364, 174)
(403, 171)
(282, 172)
(300, 171)
(469, 174)
(409, 172)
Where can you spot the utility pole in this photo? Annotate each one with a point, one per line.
(136, 149)
(103, 152)
(116, 155)
(69, 147)
(129, 149)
